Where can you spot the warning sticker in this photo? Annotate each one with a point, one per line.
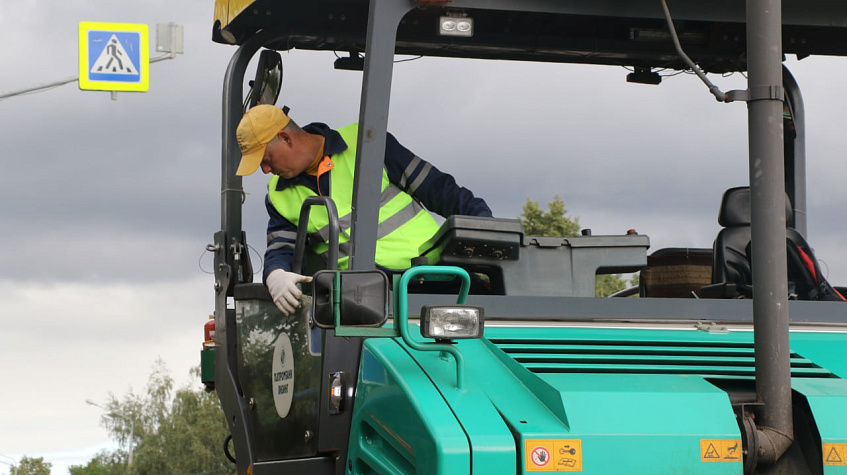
(834, 454)
(720, 450)
(553, 455)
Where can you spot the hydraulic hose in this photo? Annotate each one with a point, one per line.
(715, 90)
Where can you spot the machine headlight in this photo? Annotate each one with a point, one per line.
(452, 322)
(455, 26)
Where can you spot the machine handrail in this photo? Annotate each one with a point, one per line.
(334, 229)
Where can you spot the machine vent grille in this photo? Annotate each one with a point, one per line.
(707, 359)
(380, 452)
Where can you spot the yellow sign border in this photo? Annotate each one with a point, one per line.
(144, 57)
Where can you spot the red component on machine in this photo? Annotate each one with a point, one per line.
(209, 329)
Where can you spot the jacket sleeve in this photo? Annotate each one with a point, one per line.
(281, 235)
(436, 190)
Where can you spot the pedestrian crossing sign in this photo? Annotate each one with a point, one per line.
(113, 57)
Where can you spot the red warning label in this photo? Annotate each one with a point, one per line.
(553, 455)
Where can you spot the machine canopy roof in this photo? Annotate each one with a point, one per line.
(615, 32)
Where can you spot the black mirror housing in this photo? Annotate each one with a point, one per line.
(362, 298)
(266, 86)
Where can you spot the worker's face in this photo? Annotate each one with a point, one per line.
(282, 157)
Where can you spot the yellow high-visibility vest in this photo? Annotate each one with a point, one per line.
(403, 223)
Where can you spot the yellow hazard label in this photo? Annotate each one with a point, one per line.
(553, 455)
(720, 450)
(834, 454)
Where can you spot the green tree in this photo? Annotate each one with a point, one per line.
(552, 223)
(163, 432)
(104, 463)
(607, 284)
(555, 222)
(31, 466)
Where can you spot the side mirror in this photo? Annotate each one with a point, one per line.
(350, 298)
(265, 88)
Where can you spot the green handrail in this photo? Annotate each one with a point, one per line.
(401, 311)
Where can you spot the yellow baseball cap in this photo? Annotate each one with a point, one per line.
(258, 127)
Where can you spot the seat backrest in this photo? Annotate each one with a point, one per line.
(730, 260)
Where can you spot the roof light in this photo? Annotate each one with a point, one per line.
(455, 26)
(452, 322)
(228, 36)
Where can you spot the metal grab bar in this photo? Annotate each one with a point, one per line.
(302, 228)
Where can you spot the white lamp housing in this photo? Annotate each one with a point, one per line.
(455, 26)
(452, 322)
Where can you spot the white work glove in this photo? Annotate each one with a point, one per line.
(284, 291)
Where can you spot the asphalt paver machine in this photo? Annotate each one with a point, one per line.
(528, 372)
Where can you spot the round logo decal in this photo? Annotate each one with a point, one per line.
(282, 382)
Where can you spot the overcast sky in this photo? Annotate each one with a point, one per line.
(108, 205)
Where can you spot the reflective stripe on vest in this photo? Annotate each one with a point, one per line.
(403, 223)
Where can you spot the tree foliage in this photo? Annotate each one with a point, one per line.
(607, 284)
(555, 222)
(162, 432)
(552, 223)
(104, 463)
(31, 466)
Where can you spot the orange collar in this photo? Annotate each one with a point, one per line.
(324, 166)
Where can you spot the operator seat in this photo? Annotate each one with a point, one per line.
(731, 265)
(732, 276)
